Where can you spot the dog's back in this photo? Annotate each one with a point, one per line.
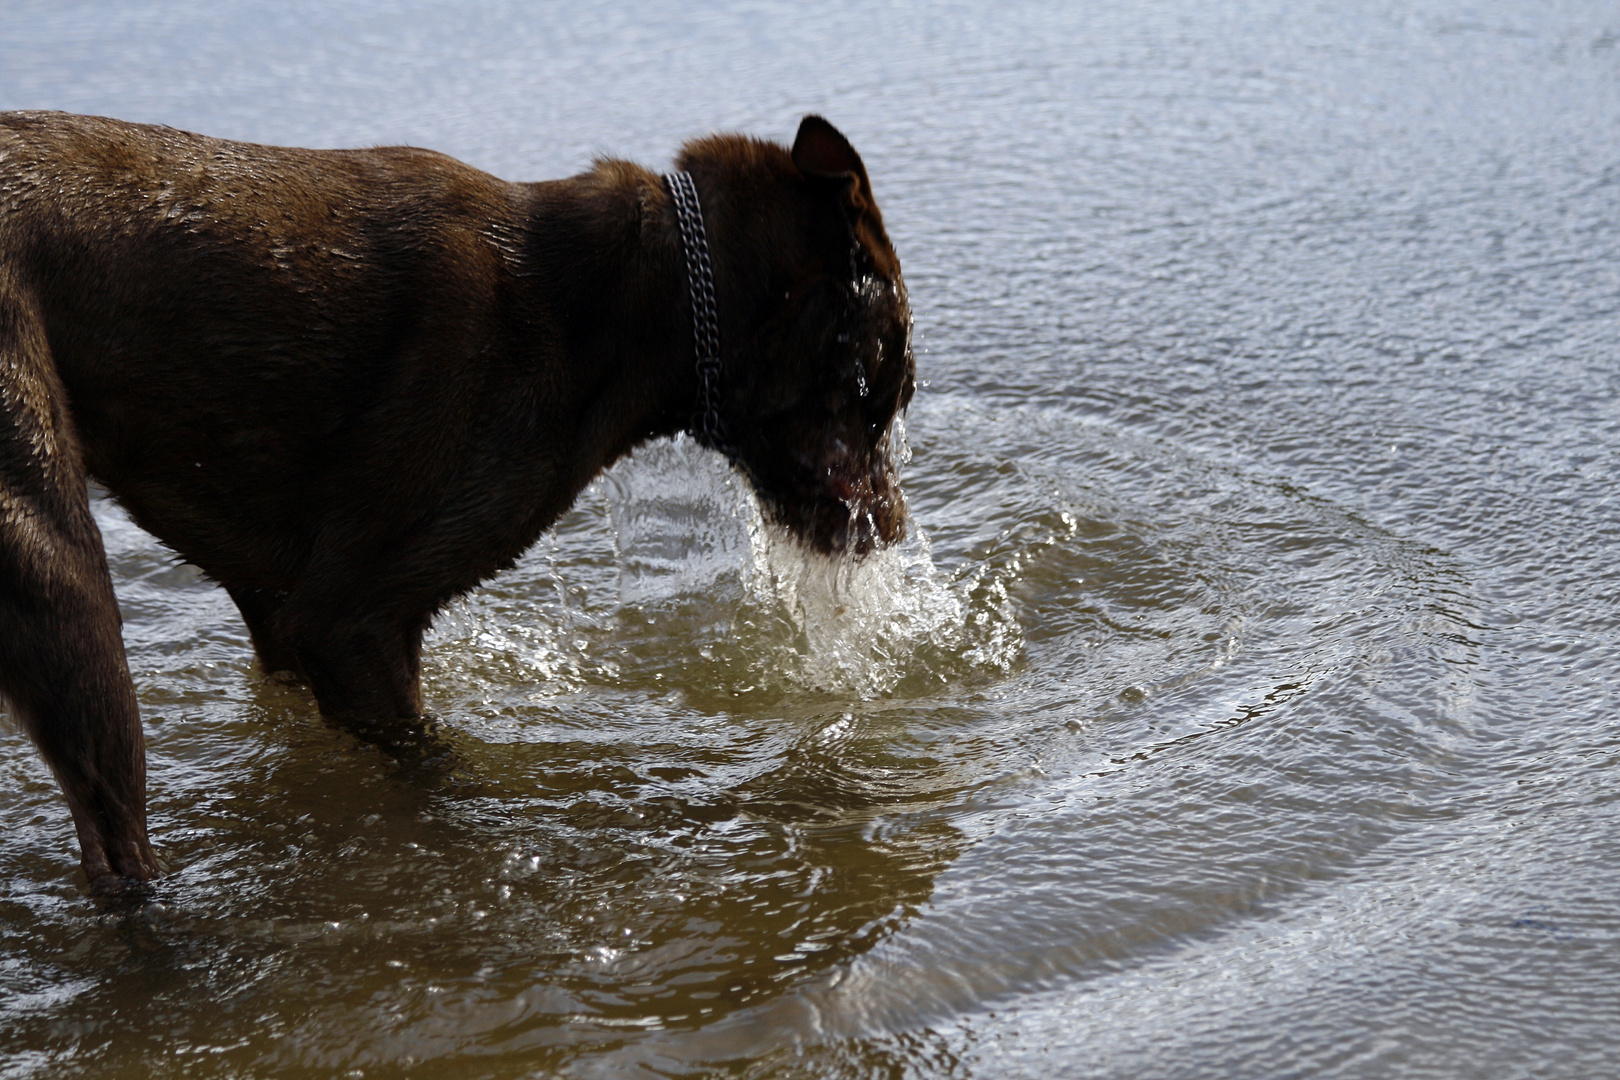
(225, 317)
(111, 183)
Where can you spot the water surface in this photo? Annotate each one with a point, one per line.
(1245, 707)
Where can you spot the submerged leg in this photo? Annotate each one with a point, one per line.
(62, 666)
(364, 667)
(258, 608)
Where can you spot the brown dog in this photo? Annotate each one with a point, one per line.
(350, 385)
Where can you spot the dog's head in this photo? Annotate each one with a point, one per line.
(815, 332)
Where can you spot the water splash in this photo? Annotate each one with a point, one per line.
(866, 627)
(682, 523)
(688, 531)
(668, 566)
(530, 628)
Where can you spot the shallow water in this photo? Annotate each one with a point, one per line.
(1245, 708)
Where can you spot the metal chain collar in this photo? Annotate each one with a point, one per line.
(707, 426)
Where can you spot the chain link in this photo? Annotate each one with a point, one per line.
(707, 426)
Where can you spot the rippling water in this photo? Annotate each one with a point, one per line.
(1245, 708)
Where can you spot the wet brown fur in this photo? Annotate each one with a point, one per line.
(350, 385)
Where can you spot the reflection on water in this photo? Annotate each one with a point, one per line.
(1243, 704)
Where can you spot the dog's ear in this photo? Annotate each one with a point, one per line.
(823, 154)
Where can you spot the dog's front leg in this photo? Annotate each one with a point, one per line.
(364, 666)
(259, 608)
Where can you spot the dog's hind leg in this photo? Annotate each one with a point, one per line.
(62, 666)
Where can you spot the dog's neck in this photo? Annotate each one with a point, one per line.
(608, 272)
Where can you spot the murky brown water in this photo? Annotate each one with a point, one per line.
(1249, 708)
